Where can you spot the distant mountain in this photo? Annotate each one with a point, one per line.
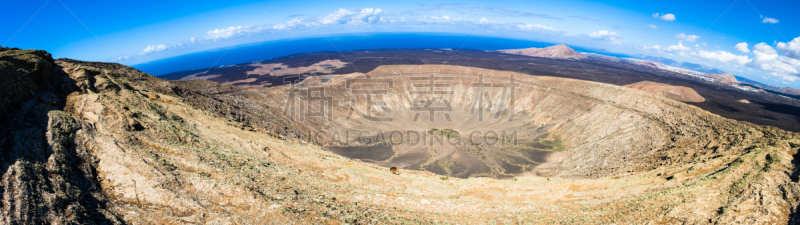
(791, 91)
(749, 81)
(556, 52)
(678, 93)
(726, 78)
(698, 68)
(684, 65)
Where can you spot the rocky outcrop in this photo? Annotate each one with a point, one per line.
(47, 174)
(555, 52)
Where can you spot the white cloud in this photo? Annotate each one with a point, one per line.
(655, 15)
(775, 66)
(602, 33)
(764, 48)
(790, 61)
(366, 16)
(766, 58)
(678, 47)
(293, 24)
(338, 17)
(704, 44)
(652, 26)
(724, 57)
(224, 33)
(344, 16)
(791, 49)
(439, 20)
(788, 78)
(535, 27)
(605, 35)
(689, 38)
(742, 47)
(654, 47)
(668, 17)
(151, 48)
(484, 21)
(769, 20)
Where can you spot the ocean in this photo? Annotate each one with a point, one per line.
(279, 48)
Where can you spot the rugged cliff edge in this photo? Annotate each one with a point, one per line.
(88, 143)
(48, 175)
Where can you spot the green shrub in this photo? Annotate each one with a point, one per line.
(447, 132)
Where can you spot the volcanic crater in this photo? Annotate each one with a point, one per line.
(115, 145)
(499, 124)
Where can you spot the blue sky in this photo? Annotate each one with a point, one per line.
(755, 39)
